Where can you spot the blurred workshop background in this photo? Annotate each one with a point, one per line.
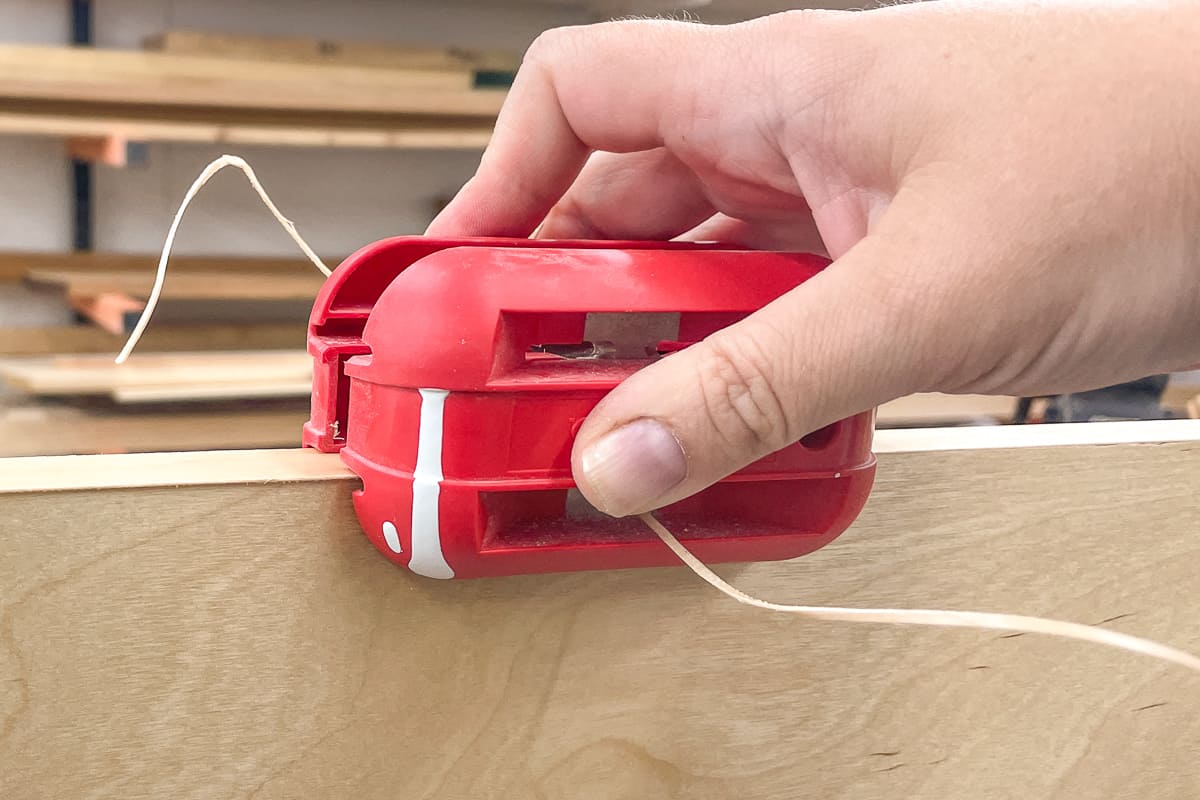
(361, 118)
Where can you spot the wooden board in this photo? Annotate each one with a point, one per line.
(946, 409)
(55, 340)
(152, 377)
(309, 50)
(47, 430)
(15, 266)
(1182, 387)
(216, 625)
(396, 136)
(139, 79)
(189, 285)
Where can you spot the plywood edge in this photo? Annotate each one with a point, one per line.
(994, 437)
(98, 472)
(146, 470)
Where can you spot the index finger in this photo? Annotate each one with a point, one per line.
(618, 86)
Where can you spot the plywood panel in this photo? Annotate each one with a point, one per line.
(237, 637)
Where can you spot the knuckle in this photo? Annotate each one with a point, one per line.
(741, 402)
(813, 62)
(551, 46)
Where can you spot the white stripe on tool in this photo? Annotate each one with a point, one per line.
(426, 544)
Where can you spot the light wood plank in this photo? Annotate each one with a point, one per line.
(946, 409)
(309, 50)
(133, 78)
(213, 390)
(398, 136)
(1182, 387)
(156, 377)
(190, 285)
(15, 266)
(158, 338)
(46, 430)
(241, 636)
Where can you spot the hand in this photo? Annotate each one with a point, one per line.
(1009, 191)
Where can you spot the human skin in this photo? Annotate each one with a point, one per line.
(1010, 192)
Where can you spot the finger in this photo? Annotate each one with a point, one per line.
(649, 195)
(839, 344)
(797, 233)
(619, 87)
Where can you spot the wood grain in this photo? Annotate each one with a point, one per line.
(189, 285)
(946, 409)
(15, 266)
(61, 339)
(49, 430)
(165, 377)
(240, 639)
(309, 50)
(396, 136)
(140, 79)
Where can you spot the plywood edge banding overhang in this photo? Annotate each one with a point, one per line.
(146, 470)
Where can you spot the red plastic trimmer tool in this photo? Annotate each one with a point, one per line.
(452, 375)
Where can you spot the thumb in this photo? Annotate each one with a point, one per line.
(833, 347)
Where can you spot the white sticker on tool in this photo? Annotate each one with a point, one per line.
(426, 544)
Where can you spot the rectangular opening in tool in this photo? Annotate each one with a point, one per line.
(622, 335)
(596, 346)
(551, 517)
(627, 336)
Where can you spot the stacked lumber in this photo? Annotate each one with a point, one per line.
(115, 299)
(232, 98)
(140, 81)
(196, 285)
(209, 303)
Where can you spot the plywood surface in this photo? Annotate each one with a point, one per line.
(240, 639)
